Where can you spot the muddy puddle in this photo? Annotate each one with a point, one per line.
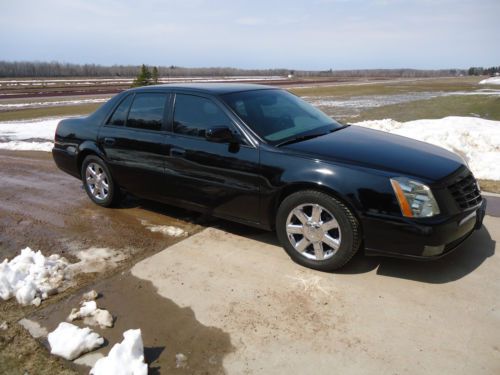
(167, 329)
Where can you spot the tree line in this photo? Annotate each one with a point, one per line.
(480, 71)
(42, 69)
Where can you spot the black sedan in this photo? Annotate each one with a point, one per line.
(263, 157)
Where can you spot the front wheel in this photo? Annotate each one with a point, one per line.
(98, 183)
(317, 230)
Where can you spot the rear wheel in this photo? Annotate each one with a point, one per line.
(317, 230)
(98, 183)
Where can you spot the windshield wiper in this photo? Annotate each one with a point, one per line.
(306, 137)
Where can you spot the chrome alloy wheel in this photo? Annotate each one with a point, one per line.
(97, 181)
(313, 231)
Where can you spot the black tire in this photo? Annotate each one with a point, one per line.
(113, 194)
(348, 226)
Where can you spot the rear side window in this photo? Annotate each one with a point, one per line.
(147, 111)
(120, 114)
(194, 114)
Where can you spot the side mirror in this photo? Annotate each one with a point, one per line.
(220, 134)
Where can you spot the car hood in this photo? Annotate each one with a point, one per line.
(383, 151)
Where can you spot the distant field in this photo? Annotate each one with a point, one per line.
(357, 100)
(392, 87)
(487, 107)
(405, 101)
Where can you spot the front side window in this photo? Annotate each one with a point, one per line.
(120, 115)
(278, 116)
(194, 114)
(147, 111)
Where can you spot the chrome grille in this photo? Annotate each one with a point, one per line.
(465, 191)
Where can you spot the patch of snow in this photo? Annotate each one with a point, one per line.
(31, 277)
(87, 81)
(28, 135)
(69, 341)
(100, 317)
(90, 296)
(92, 315)
(180, 360)
(370, 101)
(86, 309)
(26, 146)
(125, 358)
(490, 81)
(34, 328)
(96, 259)
(475, 139)
(167, 230)
(374, 101)
(29, 129)
(4, 326)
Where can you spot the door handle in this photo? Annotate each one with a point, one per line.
(109, 141)
(179, 152)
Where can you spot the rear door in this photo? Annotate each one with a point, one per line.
(221, 177)
(133, 139)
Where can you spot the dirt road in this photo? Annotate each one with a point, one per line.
(46, 209)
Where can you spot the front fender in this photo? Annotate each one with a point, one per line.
(365, 191)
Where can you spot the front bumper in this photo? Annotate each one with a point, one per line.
(406, 238)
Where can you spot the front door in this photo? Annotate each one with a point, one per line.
(221, 177)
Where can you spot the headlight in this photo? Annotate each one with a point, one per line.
(415, 199)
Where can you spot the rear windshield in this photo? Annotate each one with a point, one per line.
(277, 115)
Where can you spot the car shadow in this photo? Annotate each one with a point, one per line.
(461, 262)
(454, 266)
(151, 354)
(464, 260)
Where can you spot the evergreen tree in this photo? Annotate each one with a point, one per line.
(143, 78)
(155, 75)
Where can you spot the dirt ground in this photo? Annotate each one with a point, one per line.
(45, 209)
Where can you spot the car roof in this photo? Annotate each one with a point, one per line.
(208, 88)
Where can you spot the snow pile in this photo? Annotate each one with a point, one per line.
(31, 277)
(28, 135)
(168, 230)
(125, 358)
(92, 315)
(490, 81)
(69, 341)
(476, 140)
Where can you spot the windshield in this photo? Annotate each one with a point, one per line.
(278, 116)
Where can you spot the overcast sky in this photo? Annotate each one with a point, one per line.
(314, 34)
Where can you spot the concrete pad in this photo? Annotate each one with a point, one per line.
(375, 316)
(233, 302)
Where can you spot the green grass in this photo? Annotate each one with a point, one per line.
(32, 113)
(487, 107)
